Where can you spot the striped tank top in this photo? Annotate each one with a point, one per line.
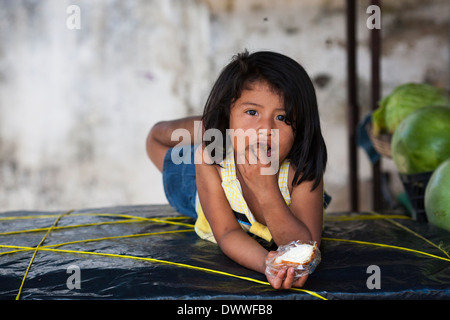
(233, 192)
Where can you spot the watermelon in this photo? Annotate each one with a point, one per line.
(404, 100)
(422, 140)
(437, 197)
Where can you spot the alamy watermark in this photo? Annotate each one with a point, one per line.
(73, 281)
(251, 146)
(374, 21)
(374, 280)
(73, 21)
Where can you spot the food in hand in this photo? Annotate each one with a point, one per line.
(303, 257)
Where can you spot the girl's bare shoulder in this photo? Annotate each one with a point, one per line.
(204, 163)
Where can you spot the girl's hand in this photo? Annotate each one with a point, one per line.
(251, 164)
(284, 278)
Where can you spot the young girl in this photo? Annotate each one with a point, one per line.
(234, 204)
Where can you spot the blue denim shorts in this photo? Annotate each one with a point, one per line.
(179, 179)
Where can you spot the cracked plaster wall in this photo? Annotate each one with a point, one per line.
(76, 105)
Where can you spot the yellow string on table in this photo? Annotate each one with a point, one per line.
(96, 224)
(35, 252)
(370, 216)
(386, 246)
(132, 219)
(183, 265)
(165, 220)
(94, 239)
(116, 215)
(399, 225)
(376, 216)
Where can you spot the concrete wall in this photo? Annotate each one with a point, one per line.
(76, 104)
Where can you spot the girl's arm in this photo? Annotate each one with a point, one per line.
(159, 139)
(302, 220)
(231, 238)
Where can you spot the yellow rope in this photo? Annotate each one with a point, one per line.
(98, 224)
(120, 237)
(117, 215)
(183, 265)
(371, 216)
(166, 220)
(67, 227)
(374, 216)
(399, 225)
(22, 248)
(386, 246)
(48, 248)
(35, 252)
(95, 239)
(48, 216)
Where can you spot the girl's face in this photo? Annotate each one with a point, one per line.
(260, 110)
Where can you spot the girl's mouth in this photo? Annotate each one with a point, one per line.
(267, 149)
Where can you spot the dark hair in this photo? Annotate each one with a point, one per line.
(290, 80)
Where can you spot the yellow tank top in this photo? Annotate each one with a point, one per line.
(233, 192)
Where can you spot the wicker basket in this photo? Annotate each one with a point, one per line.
(381, 143)
(415, 185)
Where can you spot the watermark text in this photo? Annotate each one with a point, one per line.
(251, 146)
(73, 281)
(73, 21)
(374, 280)
(374, 20)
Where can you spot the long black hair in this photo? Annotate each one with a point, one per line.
(289, 79)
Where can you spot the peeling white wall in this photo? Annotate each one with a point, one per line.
(76, 105)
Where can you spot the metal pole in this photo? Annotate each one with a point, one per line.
(353, 110)
(375, 45)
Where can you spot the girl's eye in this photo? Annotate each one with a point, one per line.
(251, 112)
(281, 117)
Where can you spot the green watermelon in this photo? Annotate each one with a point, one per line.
(404, 100)
(437, 197)
(422, 140)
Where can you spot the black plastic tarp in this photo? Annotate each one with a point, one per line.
(151, 252)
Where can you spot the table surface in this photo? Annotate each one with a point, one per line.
(152, 252)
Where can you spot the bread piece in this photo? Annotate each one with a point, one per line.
(300, 254)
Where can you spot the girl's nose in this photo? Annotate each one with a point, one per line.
(266, 126)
